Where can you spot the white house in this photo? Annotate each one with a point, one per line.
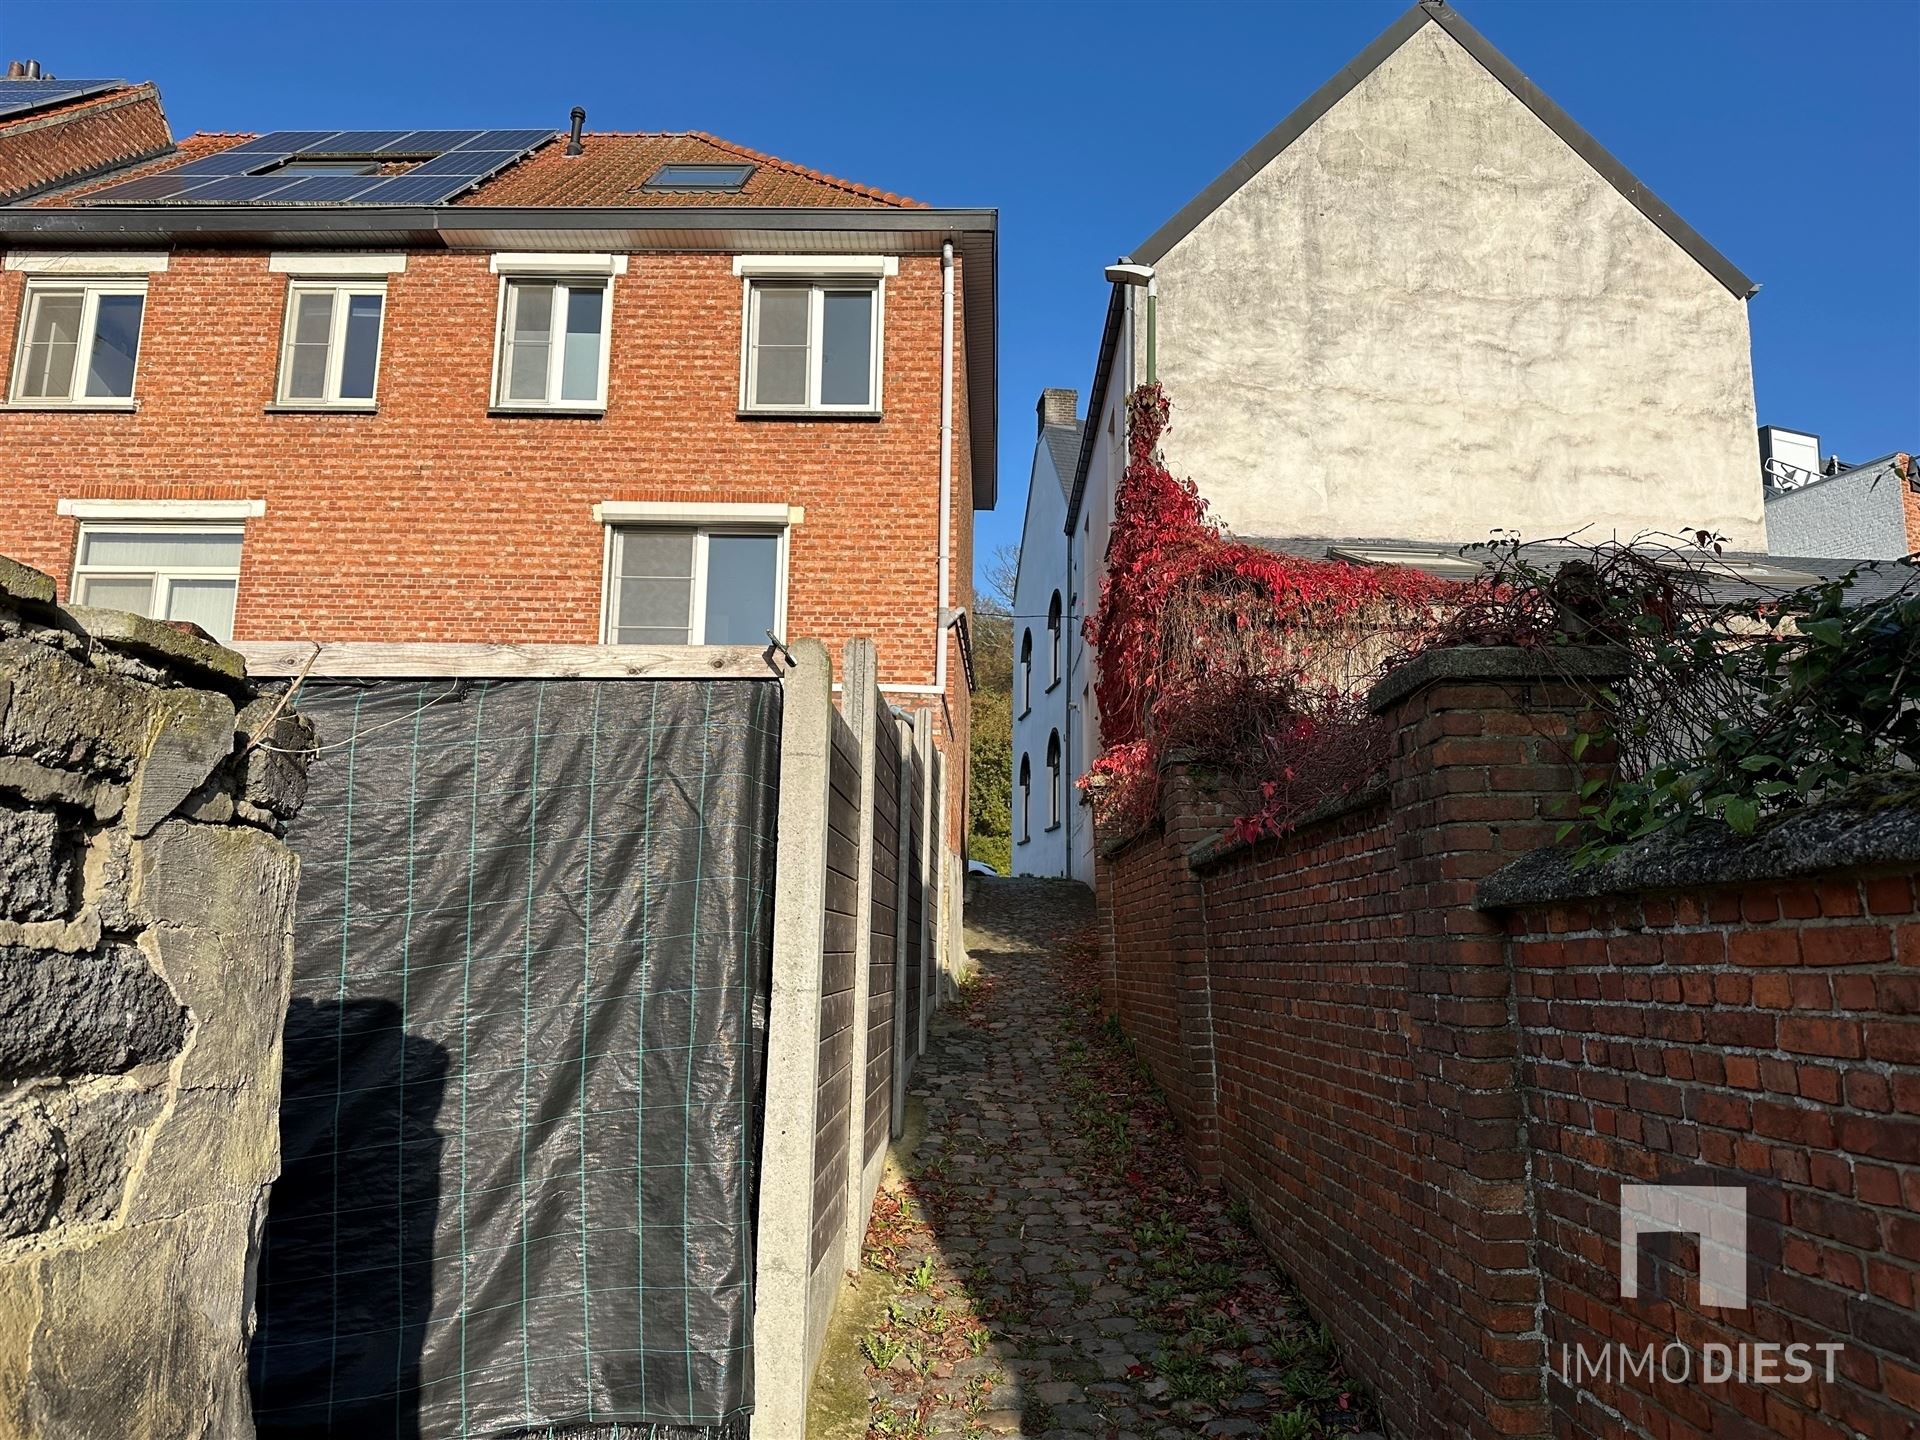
(1426, 305)
(1045, 804)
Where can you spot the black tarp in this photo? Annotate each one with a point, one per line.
(524, 1062)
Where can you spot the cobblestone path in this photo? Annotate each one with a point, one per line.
(1043, 1265)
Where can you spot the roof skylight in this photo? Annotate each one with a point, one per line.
(727, 179)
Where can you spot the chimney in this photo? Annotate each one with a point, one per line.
(1788, 458)
(33, 69)
(1058, 407)
(579, 119)
(16, 70)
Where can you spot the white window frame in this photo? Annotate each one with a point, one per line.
(342, 291)
(816, 287)
(91, 289)
(697, 616)
(531, 274)
(163, 579)
(1023, 790)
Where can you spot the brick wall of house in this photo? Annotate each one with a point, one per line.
(1430, 1107)
(433, 521)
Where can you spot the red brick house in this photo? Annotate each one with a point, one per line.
(505, 386)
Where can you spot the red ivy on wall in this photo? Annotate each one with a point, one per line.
(1249, 661)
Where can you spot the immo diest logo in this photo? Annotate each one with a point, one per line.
(1716, 1216)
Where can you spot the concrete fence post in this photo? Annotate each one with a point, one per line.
(786, 1336)
(858, 692)
(902, 752)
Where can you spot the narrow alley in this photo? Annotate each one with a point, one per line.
(1040, 1262)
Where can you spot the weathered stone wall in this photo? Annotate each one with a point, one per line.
(146, 912)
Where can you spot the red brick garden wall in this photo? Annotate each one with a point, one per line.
(1430, 1107)
(1765, 1036)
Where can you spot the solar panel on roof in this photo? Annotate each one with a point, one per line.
(228, 162)
(518, 140)
(412, 190)
(282, 142)
(264, 170)
(167, 186)
(363, 142)
(326, 189)
(470, 163)
(20, 96)
(240, 189)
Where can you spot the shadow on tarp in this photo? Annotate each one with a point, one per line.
(346, 1269)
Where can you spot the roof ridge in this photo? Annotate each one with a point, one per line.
(1490, 59)
(852, 187)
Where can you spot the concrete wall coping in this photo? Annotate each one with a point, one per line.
(1855, 832)
(1494, 663)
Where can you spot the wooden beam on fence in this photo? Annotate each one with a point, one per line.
(373, 660)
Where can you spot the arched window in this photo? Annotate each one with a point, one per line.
(1022, 794)
(1053, 638)
(1053, 779)
(1023, 680)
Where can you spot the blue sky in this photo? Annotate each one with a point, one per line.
(1783, 132)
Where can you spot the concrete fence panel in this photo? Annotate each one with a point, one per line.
(926, 759)
(916, 906)
(907, 942)
(870, 1077)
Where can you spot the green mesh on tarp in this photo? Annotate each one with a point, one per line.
(524, 1062)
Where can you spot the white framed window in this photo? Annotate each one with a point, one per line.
(552, 352)
(1053, 779)
(812, 346)
(1023, 676)
(695, 585)
(1022, 800)
(330, 352)
(186, 571)
(79, 341)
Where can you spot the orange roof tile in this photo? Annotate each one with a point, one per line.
(615, 166)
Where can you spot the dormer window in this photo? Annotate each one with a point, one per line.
(717, 179)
